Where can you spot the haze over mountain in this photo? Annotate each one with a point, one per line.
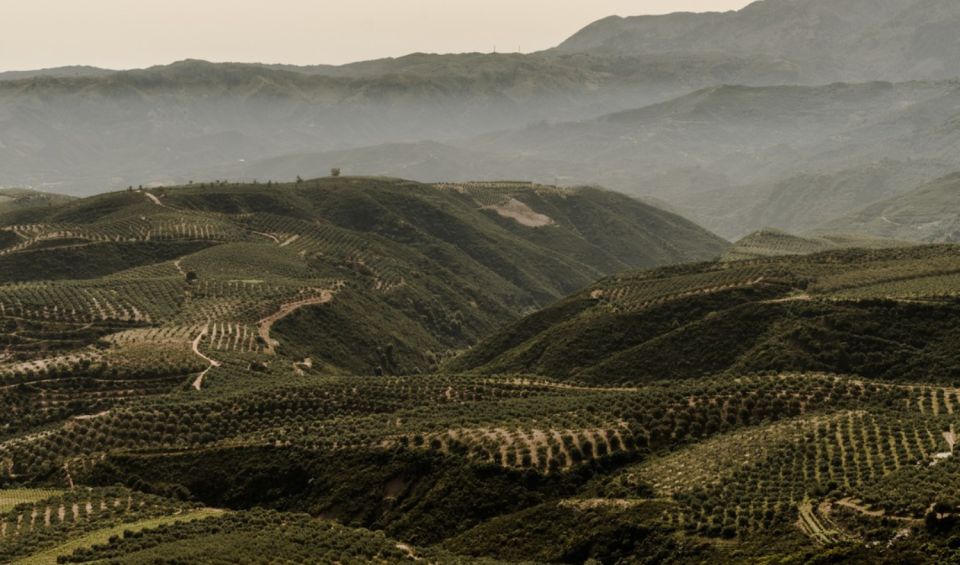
(824, 40)
(192, 119)
(734, 158)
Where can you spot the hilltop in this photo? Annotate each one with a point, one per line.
(16, 199)
(69, 71)
(417, 270)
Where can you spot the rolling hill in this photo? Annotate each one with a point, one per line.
(416, 270)
(16, 199)
(793, 408)
(851, 311)
(467, 370)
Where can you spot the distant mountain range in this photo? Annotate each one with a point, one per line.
(72, 71)
(736, 159)
(727, 118)
(823, 40)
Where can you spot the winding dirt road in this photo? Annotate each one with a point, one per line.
(265, 325)
(198, 382)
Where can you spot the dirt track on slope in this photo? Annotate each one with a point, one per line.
(198, 383)
(265, 325)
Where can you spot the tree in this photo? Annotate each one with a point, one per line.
(191, 276)
(335, 172)
(299, 179)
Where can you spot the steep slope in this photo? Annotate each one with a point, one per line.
(930, 213)
(859, 312)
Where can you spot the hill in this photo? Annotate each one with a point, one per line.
(15, 199)
(775, 243)
(854, 311)
(834, 430)
(212, 403)
(928, 213)
(416, 270)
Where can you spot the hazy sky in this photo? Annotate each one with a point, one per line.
(137, 33)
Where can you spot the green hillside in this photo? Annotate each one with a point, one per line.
(794, 408)
(404, 272)
(855, 312)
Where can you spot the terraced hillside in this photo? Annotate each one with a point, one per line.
(513, 468)
(87, 525)
(863, 312)
(405, 272)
